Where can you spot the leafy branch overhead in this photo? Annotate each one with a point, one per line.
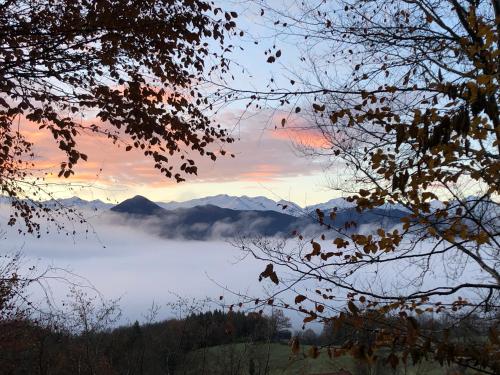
(125, 70)
(406, 98)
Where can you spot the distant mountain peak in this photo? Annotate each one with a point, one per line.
(138, 205)
(140, 198)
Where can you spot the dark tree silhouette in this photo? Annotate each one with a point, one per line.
(128, 70)
(405, 97)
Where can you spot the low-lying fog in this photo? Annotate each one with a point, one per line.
(139, 268)
(133, 264)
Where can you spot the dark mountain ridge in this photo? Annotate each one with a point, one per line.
(138, 205)
(209, 221)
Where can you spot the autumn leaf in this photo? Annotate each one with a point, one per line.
(352, 307)
(300, 298)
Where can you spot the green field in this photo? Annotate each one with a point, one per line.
(276, 358)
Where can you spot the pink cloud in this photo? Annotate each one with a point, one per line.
(262, 153)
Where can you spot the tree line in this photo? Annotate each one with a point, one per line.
(41, 346)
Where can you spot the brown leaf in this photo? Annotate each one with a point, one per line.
(300, 298)
(352, 307)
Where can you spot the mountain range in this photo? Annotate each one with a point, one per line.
(210, 221)
(239, 203)
(259, 203)
(230, 216)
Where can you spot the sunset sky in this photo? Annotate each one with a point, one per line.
(267, 162)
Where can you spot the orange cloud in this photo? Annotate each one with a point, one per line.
(262, 152)
(309, 138)
(261, 173)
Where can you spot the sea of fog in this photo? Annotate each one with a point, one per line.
(138, 268)
(131, 264)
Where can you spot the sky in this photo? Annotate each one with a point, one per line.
(267, 161)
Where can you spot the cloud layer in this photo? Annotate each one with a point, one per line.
(263, 153)
(137, 267)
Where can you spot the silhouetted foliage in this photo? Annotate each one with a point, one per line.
(127, 70)
(404, 95)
